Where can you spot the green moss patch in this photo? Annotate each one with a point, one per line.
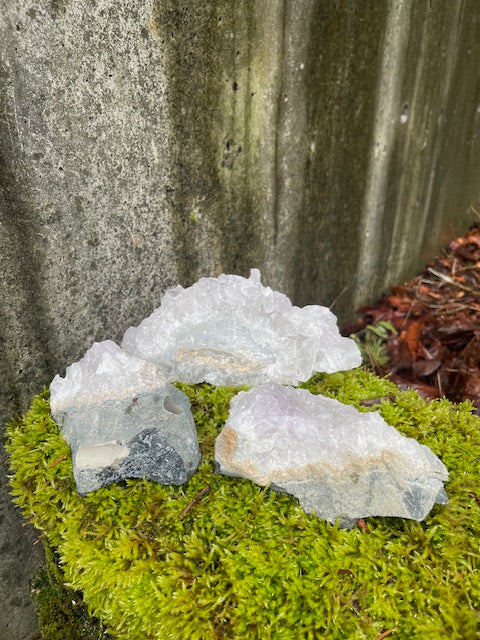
(246, 562)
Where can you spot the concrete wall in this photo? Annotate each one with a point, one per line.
(333, 144)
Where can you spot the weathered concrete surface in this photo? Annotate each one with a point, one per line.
(425, 150)
(334, 145)
(19, 559)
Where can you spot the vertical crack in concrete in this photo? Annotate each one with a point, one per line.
(448, 77)
(411, 228)
(387, 103)
(279, 128)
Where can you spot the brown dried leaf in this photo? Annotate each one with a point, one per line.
(361, 524)
(425, 367)
(425, 390)
(437, 315)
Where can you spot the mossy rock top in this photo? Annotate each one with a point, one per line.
(246, 562)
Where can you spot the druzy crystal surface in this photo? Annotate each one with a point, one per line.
(232, 330)
(339, 462)
(104, 373)
(122, 419)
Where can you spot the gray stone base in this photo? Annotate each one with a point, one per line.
(19, 560)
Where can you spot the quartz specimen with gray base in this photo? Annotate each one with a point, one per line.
(122, 419)
(232, 330)
(339, 462)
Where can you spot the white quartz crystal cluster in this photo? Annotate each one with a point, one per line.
(122, 419)
(105, 372)
(234, 331)
(339, 462)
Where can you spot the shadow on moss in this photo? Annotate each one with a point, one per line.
(61, 611)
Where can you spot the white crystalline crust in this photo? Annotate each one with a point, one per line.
(315, 446)
(105, 373)
(232, 330)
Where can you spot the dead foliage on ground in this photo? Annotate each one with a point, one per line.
(436, 315)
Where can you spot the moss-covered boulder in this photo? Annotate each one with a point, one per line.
(245, 562)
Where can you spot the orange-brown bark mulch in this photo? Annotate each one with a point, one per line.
(437, 318)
